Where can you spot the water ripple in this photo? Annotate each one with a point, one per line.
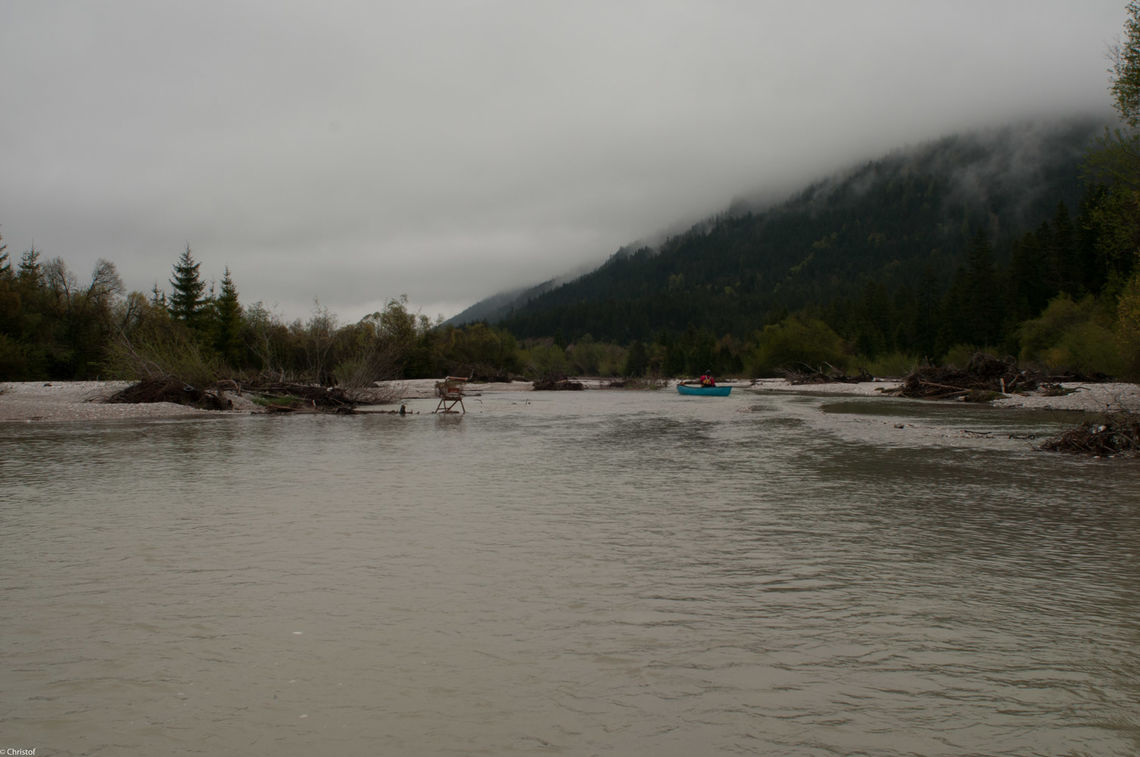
(603, 572)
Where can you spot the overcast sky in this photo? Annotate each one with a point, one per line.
(350, 152)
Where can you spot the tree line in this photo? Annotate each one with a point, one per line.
(55, 326)
(1065, 296)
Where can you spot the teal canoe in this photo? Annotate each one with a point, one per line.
(704, 391)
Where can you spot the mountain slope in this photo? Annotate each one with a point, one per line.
(908, 216)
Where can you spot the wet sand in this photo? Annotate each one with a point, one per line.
(62, 401)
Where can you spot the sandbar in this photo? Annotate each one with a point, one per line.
(64, 401)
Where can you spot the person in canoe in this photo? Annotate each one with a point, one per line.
(707, 379)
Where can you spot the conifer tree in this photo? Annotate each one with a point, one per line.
(227, 322)
(157, 297)
(30, 272)
(9, 311)
(983, 295)
(928, 313)
(1126, 67)
(187, 301)
(1120, 213)
(637, 360)
(1062, 256)
(1118, 162)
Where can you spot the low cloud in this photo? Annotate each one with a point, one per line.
(355, 152)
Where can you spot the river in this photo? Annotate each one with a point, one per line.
(573, 573)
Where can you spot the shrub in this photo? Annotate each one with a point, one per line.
(894, 364)
(959, 356)
(166, 351)
(796, 342)
(1038, 335)
(1128, 328)
(1071, 335)
(1088, 348)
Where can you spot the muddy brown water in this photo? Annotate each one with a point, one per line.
(600, 572)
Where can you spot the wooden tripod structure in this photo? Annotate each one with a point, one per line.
(450, 392)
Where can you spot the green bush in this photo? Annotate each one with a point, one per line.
(1087, 348)
(353, 373)
(1128, 328)
(1072, 336)
(959, 356)
(13, 363)
(795, 343)
(163, 348)
(544, 359)
(1039, 335)
(894, 364)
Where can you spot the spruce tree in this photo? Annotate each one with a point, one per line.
(1126, 67)
(983, 301)
(1062, 262)
(31, 272)
(1120, 209)
(637, 360)
(9, 316)
(187, 302)
(227, 322)
(157, 296)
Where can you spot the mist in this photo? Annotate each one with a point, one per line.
(350, 154)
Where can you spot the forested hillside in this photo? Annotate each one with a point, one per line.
(896, 228)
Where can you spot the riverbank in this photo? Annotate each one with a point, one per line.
(63, 401)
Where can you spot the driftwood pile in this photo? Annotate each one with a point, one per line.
(170, 389)
(1115, 434)
(283, 397)
(557, 384)
(984, 378)
(831, 375)
(273, 396)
